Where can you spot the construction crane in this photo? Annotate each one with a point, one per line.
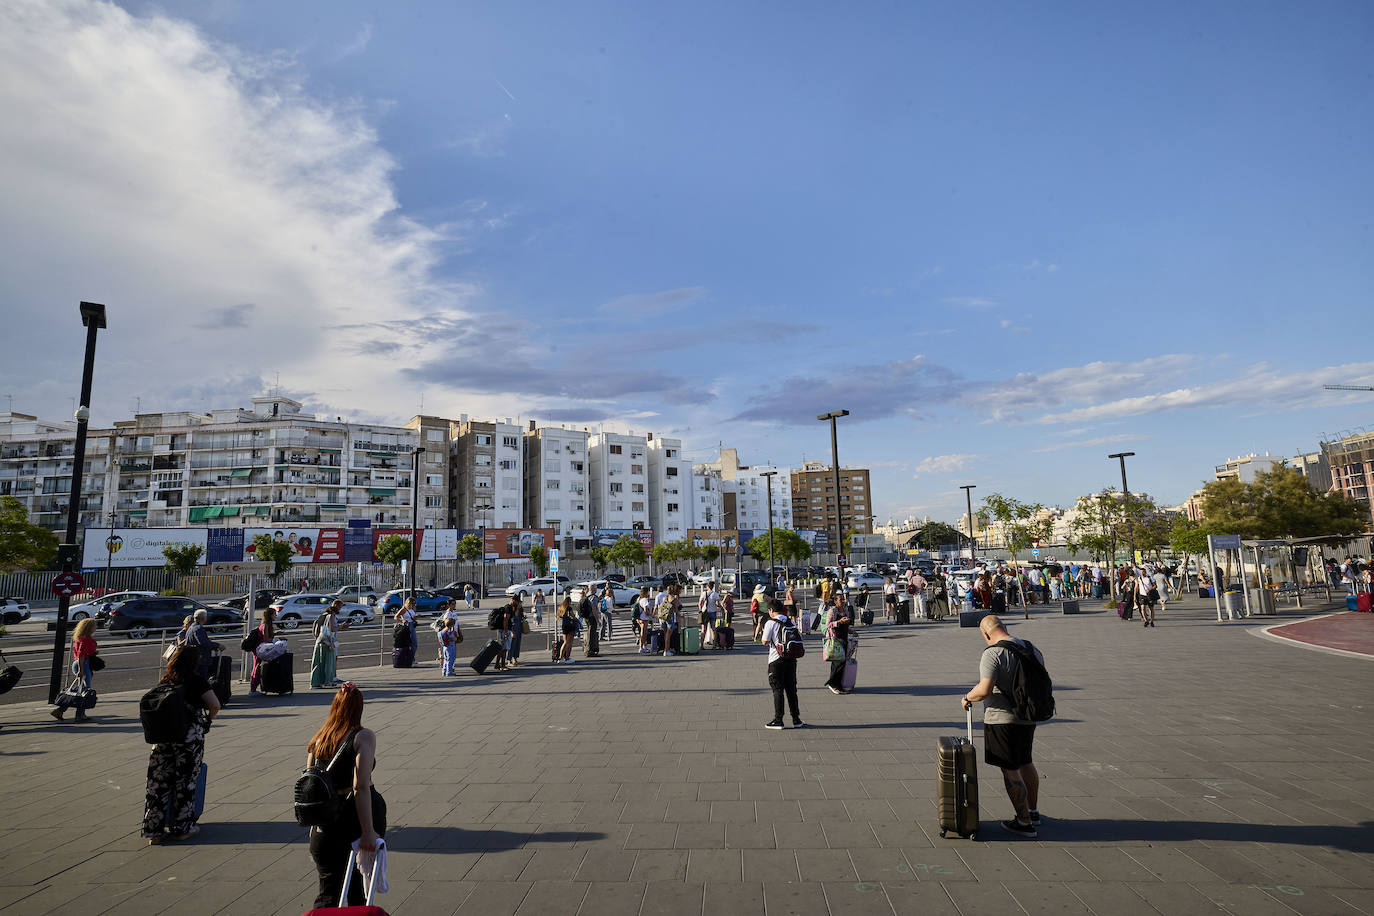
(1348, 388)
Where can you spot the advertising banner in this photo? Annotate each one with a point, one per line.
(819, 540)
(605, 537)
(357, 544)
(223, 545)
(515, 543)
(311, 545)
(727, 539)
(435, 543)
(128, 548)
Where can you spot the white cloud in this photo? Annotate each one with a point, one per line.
(652, 305)
(1095, 441)
(972, 302)
(943, 464)
(359, 43)
(176, 179)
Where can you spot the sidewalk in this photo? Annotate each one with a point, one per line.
(1192, 769)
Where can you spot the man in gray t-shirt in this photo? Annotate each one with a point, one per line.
(1007, 740)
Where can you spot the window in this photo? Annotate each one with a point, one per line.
(636, 469)
(552, 504)
(507, 504)
(858, 487)
(552, 484)
(482, 483)
(636, 453)
(555, 524)
(578, 507)
(617, 487)
(482, 461)
(483, 439)
(672, 507)
(434, 502)
(553, 464)
(434, 435)
(636, 507)
(635, 487)
(507, 464)
(670, 452)
(510, 483)
(671, 472)
(617, 469)
(434, 480)
(576, 466)
(511, 441)
(615, 450)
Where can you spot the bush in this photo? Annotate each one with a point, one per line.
(171, 593)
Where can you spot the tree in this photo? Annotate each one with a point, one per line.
(278, 553)
(1279, 503)
(183, 559)
(937, 534)
(1021, 523)
(23, 545)
(393, 549)
(627, 552)
(470, 548)
(666, 552)
(788, 547)
(540, 558)
(601, 558)
(709, 553)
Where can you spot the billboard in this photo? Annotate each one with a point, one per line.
(605, 537)
(435, 543)
(126, 548)
(311, 545)
(515, 543)
(727, 539)
(819, 540)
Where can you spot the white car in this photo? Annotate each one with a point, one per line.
(527, 588)
(871, 579)
(622, 594)
(294, 610)
(13, 610)
(94, 607)
(706, 578)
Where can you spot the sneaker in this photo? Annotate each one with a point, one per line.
(834, 690)
(670, 652)
(1018, 828)
(798, 723)
(568, 661)
(190, 832)
(1035, 818)
(57, 712)
(154, 840)
(776, 725)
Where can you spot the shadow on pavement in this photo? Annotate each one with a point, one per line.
(1352, 839)
(399, 838)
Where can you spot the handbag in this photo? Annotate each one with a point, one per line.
(76, 698)
(524, 627)
(833, 650)
(97, 663)
(9, 676)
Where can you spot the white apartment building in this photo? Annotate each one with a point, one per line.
(556, 470)
(707, 500)
(670, 481)
(618, 480)
(750, 488)
(486, 473)
(266, 465)
(36, 468)
(1246, 467)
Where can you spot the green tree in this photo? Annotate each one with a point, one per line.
(788, 547)
(183, 559)
(393, 549)
(278, 553)
(470, 548)
(627, 552)
(1188, 538)
(708, 553)
(23, 545)
(1279, 503)
(540, 558)
(936, 534)
(601, 558)
(1020, 523)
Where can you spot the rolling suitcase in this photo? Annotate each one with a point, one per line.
(278, 675)
(1070, 607)
(866, 618)
(1363, 601)
(9, 676)
(904, 612)
(221, 678)
(370, 882)
(725, 637)
(656, 641)
(402, 657)
(850, 677)
(957, 783)
(691, 641)
(1123, 610)
(483, 659)
(969, 616)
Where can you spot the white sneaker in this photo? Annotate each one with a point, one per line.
(670, 652)
(569, 661)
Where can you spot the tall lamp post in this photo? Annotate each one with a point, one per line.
(770, 475)
(1125, 504)
(482, 521)
(414, 514)
(968, 489)
(835, 466)
(93, 317)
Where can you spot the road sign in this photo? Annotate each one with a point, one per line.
(66, 584)
(1035, 551)
(1224, 541)
(842, 560)
(246, 568)
(553, 559)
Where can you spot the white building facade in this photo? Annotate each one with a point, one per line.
(670, 481)
(617, 480)
(750, 486)
(556, 469)
(706, 502)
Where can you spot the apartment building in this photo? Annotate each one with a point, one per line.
(744, 493)
(1351, 461)
(268, 464)
(486, 473)
(618, 480)
(431, 434)
(36, 461)
(706, 501)
(556, 469)
(816, 505)
(1245, 467)
(670, 481)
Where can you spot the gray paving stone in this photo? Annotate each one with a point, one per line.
(794, 899)
(1109, 899)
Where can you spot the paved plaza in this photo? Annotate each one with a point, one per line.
(1194, 768)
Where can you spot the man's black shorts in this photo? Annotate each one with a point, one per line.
(1008, 746)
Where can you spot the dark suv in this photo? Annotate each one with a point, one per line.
(138, 617)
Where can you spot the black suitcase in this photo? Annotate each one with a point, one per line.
(866, 618)
(402, 657)
(483, 659)
(221, 678)
(904, 612)
(9, 676)
(725, 637)
(278, 675)
(1069, 607)
(957, 783)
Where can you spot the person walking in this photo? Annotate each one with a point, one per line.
(448, 647)
(708, 613)
(350, 753)
(567, 629)
(516, 615)
(169, 807)
(758, 609)
(1147, 596)
(469, 593)
(84, 649)
(1007, 740)
(778, 632)
(586, 611)
(606, 610)
(727, 614)
(669, 613)
(199, 636)
(889, 600)
(643, 618)
(540, 604)
(837, 623)
(324, 658)
(267, 631)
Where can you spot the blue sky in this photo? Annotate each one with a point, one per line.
(1009, 238)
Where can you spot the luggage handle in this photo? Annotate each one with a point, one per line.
(970, 723)
(369, 881)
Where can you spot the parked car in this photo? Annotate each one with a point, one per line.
(622, 594)
(426, 602)
(458, 589)
(709, 576)
(14, 610)
(358, 594)
(871, 579)
(262, 599)
(304, 607)
(616, 577)
(543, 584)
(138, 617)
(96, 608)
(640, 581)
(744, 583)
(676, 578)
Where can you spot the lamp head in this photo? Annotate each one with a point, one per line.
(92, 313)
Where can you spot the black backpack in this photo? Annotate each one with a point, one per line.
(251, 642)
(164, 714)
(816, 590)
(792, 645)
(400, 637)
(316, 804)
(1032, 690)
(496, 618)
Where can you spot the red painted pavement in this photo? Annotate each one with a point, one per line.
(1352, 631)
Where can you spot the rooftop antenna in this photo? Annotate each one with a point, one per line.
(138, 405)
(10, 398)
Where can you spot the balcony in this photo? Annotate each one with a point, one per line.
(130, 467)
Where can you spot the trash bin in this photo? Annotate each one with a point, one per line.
(1235, 602)
(1265, 602)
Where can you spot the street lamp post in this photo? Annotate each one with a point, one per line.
(770, 475)
(835, 466)
(968, 489)
(414, 514)
(482, 522)
(93, 317)
(1125, 504)
(109, 548)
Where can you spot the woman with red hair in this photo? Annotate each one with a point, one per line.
(350, 751)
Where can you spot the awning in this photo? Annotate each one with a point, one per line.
(332, 451)
(140, 513)
(333, 506)
(229, 510)
(197, 513)
(240, 472)
(213, 511)
(382, 491)
(383, 454)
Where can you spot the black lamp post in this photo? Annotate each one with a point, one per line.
(414, 514)
(769, 475)
(1125, 504)
(835, 466)
(482, 521)
(93, 317)
(968, 489)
